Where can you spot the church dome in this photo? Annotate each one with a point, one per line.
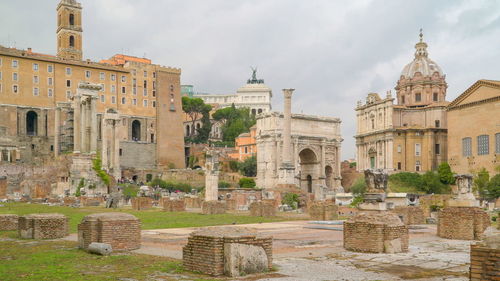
(421, 63)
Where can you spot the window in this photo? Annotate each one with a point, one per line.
(102, 87)
(35, 66)
(373, 123)
(402, 99)
(153, 103)
(437, 123)
(14, 76)
(145, 73)
(467, 147)
(0, 75)
(134, 90)
(35, 91)
(50, 92)
(71, 19)
(437, 149)
(35, 79)
(145, 92)
(399, 165)
(0, 61)
(417, 166)
(418, 97)
(14, 63)
(154, 93)
(113, 89)
(497, 143)
(417, 149)
(145, 103)
(171, 88)
(123, 90)
(0, 88)
(120, 152)
(49, 68)
(68, 83)
(124, 100)
(154, 74)
(102, 76)
(134, 72)
(103, 99)
(113, 77)
(87, 73)
(50, 81)
(68, 70)
(71, 41)
(14, 89)
(399, 148)
(134, 82)
(134, 101)
(154, 85)
(113, 99)
(68, 94)
(435, 97)
(123, 78)
(483, 142)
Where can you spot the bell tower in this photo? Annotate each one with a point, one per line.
(69, 30)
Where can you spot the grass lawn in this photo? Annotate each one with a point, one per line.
(151, 219)
(62, 260)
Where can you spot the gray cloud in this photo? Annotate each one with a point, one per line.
(332, 52)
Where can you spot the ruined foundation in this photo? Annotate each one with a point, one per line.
(8, 222)
(376, 232)
(323, 211)
(264, 208)
(43, 226)
(173, 205)
(227, 250)
(122, 231)
(193, 202)
(142, 203)
(213, 207)
(410, 214)
(462, 223)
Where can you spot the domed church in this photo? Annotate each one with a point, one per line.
(408, 134)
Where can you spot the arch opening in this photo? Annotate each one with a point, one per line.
(136, 130)
(309, 170)
(72, 41)
(31, 123)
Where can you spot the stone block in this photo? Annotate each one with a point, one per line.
(462, 223)
(193, 202)
(485, 263)
(243, 259)
(43, 226)
(9, 222)
(174, 205)
(323, 211)
(120, 230)
(213, 207)
(142, 203)
(410, 214)
(264, 208)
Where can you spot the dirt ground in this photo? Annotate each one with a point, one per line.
(304, 250)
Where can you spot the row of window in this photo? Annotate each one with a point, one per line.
(483, 145)
(418, 149)
(418, 97)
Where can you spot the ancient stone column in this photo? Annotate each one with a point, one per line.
(287, 126)
(57, 121)
(83, 126)
(105, 143)
(212, 176)
(93, 124)
(77, 124)
(116, 149)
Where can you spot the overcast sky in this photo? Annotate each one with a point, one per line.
(332, 52)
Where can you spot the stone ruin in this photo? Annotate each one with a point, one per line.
(120, 230)
(485, 257)
(173, 205)
(410, 215)
(43, 226)
(142, 203)
(212, 205)
(323, 210)
(8, 222)
(462, 218)
(264, 208)
(374, 229)
(230, 251)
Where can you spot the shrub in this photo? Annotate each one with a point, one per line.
(445, 173)
(352, 165)
(247, 183)
(158, 182)
(129, 190)
(431, 183)
(233, 166)
(223, 184)
(97, 166)
(358, 199)
(493, 187)
(359, 186)
(481, 180)
(248, 168)
(407, 179)
(435, 208)
(291, 199)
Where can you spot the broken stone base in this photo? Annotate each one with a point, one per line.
(410, 214)
(173, 205)
(8, 222)
(213, 207)
(264, 208)
(232, 251)
(462, 223)
(43, 226)
(323, 211)
(376, 232)
(485, 257)
(142, 203)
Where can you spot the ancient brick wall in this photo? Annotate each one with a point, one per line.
(174, 205)
(67, 201)
(213, 207)
(205, 253)
(9, 222)
(410, 214)
(427, 201)
(193, 202)
(323, 211)
(142, 203)
(3, 186)
(91, 201)
(264, 208)
(462, 223)
(484, 263)
(122, 231)
(43, 226)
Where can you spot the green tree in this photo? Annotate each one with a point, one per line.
(235, 121)
(431, 183)
(481, 180)
(247, 183)
(248, 167)
(445, 173)
(196, 109)
(493, 187)
(359, 186)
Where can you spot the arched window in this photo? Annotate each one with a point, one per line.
(72, 41)
(435, 97)
(188, 131)
(136, 130)
(71, 19)
(31, 123)
(259, 111)
(309, 184)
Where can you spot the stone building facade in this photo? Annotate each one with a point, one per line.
(410, 135)
(126, 108)
(315, 151)
(474, 129)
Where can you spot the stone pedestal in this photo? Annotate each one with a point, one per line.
(8, 222)
(227, 251)
(462, 223)
(142, 203)
(43, 226)
(264, 208)
(213, 207)
(173, 205)
(323, 211)
(122, 231)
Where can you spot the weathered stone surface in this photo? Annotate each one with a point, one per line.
(43, 226)
(102, 249)
(122, 231)
(193, 202)
(9, 222)
(463, 223)
(410, 214)
(242, 259)
(142, 203)
(173, 205)
(264, 208)
(485, 257)
(213, 207)
(323, 211)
